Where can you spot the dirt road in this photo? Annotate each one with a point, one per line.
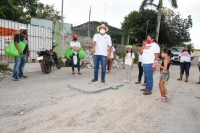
(45, 103)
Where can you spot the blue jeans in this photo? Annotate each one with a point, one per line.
(97, 59)
(78, 63)
(185, 66)
(147, 68)
(19, 66)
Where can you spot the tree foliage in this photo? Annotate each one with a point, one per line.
(178, 27)
(173, 30)
(47, 12)
(23, 10)
(158, 7)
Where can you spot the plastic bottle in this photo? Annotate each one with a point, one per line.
(154, 65)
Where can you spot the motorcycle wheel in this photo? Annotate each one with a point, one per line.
(58, 65)
(46, 68)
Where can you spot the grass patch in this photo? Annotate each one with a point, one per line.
(3, 69)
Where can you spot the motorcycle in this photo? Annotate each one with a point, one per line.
(48, 59)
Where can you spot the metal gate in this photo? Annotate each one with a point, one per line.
(39, 37)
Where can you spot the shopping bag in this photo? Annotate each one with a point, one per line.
(12, 50)
(81, 53)
(69, 52)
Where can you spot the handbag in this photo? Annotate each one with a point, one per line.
(12, 50)
(69, 52)
(81, 53)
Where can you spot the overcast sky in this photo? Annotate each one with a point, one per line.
(77, 11)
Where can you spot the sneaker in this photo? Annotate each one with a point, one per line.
(167, 97)
(103, 81)
(94, 80)
(162, 99)
(24, 77)
(124, 81)
(127, 81)
(15, 79)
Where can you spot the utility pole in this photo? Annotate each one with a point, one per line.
(147, 29)
(89, 23)
(105, 13)
(62, 33)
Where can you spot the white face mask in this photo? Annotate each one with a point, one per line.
(102, 31)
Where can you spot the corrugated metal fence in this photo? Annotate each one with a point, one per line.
(39, 37)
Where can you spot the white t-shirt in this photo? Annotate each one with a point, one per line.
(128, 58)
(148, 55)
(102, 44)
(112, 53)
(185, 56)
(75, 45)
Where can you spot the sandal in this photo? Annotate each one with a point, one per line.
(147, 93)
(198, 82)
(137, 82)
(143, 89)
(144, 85)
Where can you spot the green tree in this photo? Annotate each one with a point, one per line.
(174, 30)
(47, 12)
(159, 7)
(178, 28)
(16, 10)
(23, 10)
(136, 24)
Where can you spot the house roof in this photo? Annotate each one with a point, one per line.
(94, 24)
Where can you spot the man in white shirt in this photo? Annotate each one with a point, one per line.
(100, 50)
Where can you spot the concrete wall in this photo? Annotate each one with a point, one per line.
(86, 43)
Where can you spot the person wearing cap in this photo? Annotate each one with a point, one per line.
(76, 46)
(101, 49)
(128, 63)
(20, 61)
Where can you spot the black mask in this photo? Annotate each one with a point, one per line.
(75, 39)
(24, 32)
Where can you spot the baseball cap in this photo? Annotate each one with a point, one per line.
(129, 46)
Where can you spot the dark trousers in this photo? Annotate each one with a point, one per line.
(78, 63)
(140, 67)
(185, 67)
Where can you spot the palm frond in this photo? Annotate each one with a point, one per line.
(151, 1)
(153, 5)
(143, 5)
(174, 3)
